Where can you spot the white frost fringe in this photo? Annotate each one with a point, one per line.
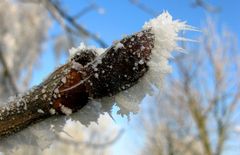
(166, 32)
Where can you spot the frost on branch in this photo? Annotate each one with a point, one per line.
(91, 83)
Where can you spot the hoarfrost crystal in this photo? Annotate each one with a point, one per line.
(166, 34)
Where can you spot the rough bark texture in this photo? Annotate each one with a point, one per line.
(85, 77)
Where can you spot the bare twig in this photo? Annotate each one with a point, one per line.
(73, 22)
(206, 6)
(143, 7)
(91, 144)
(85, 10)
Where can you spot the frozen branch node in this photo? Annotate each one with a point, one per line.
(166, 33)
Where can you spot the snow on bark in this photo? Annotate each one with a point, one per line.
(82, 47)
(89, 84)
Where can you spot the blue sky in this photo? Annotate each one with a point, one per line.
(121, 17)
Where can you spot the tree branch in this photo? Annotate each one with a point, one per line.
(85, 77)
(143, 7)
(74, 23)
(196, 113)
(91, 144)
(85, 10)
(206, 6)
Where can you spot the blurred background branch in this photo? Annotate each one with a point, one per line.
(208, 7)
(54, 9)
(7, 74)
(145, 8)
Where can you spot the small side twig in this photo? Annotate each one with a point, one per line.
(73, 22)
(143, 7)
(206, 6)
